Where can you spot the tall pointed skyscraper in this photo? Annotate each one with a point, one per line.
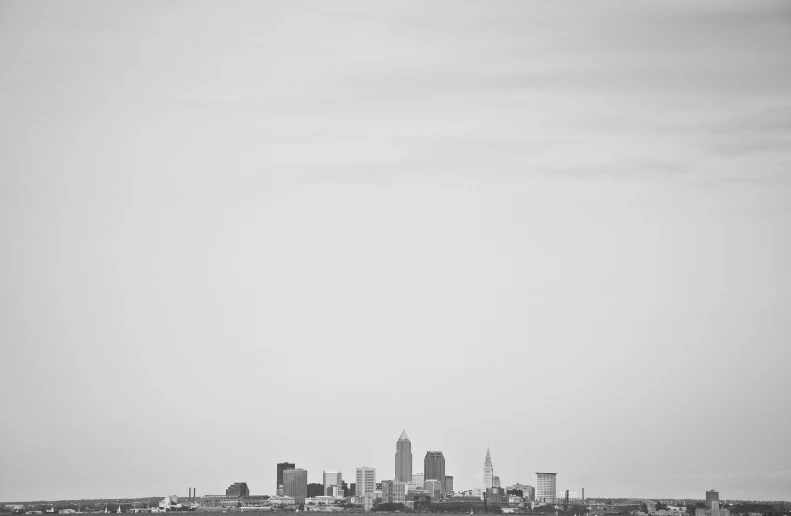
(488, 471)
(403, 459)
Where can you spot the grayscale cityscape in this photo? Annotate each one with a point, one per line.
(397, 256)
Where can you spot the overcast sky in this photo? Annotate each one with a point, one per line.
(239, 233)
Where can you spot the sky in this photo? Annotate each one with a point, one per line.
(241, 233)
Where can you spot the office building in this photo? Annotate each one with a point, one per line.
(448, 484)
(713, 504)
(352, 489)
(434, 468)
(238, 489)
(403, 458)
(434, 488)
(215, 501)
(393, 491)
(281, 467)
(496, 481)
(418, 495)
(528, 492)
(331, 479)
(545, 487)
(295, 484)
(366, 481)
(418, 478)
(280, 500)
(315, 489)
(488, 471)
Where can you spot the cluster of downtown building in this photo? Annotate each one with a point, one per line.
(406, 487)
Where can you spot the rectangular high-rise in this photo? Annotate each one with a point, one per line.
(448, 484)
(295, 484)
(366, 481)
(712, 496)
(545, 487)
(403, 458)
(434, 488)
(281, 467)
(331, 479)
(393, 491)
(434, 468)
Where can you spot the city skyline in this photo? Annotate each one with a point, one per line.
(572, 219)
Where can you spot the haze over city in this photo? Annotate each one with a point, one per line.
(240, 233)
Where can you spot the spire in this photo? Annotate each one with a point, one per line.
(488, 462)
(404, 436)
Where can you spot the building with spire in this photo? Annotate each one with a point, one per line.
(403, 459)
(488, 471)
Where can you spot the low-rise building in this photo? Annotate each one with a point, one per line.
(321, 500)
(714, 511)
(282, 500)
(220, 501)
(418, 496)
(473, 493)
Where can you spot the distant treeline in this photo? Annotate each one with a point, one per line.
(84, 505)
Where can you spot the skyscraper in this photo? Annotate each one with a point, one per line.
(448, 484)
(488, 471)
(366, 481)
(403, 458)
(331, 478)
(281, 467)
(712, 496)
(295, 484)
(545, 487)
(434, 468)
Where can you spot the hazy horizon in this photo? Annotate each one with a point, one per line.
(241, 233)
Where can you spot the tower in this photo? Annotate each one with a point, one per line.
(545, 487)
(434, 468)
(366, 481)
(281, 467)
(331, 479)
(488, 471)
(295, 484)
(403, 458)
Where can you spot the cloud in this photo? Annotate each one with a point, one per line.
(768, 130)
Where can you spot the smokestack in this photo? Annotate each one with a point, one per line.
(583, 495)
